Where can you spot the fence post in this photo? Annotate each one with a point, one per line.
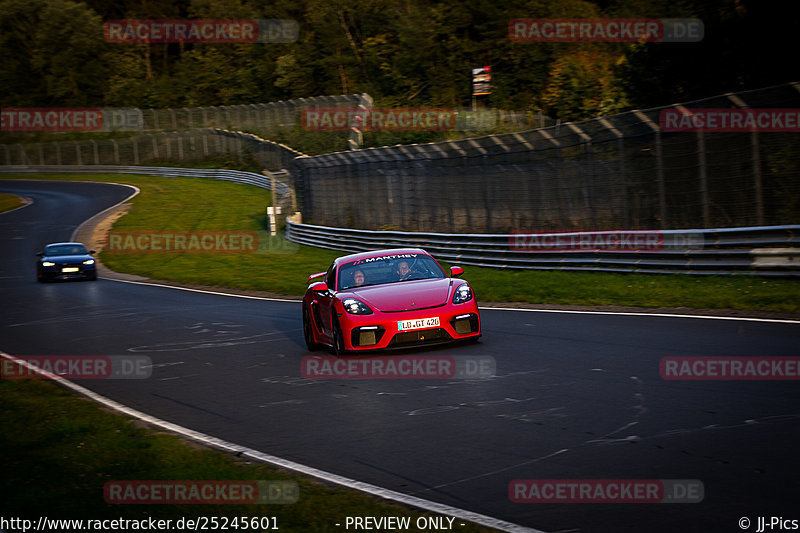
(180, 146)
(757, 178)
(589, 185)
(168, 144)
(662, 192)
(754, 141)
(623, 180)
(703, 175)
(135, 151)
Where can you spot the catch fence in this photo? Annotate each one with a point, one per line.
(173, 148)
(622, 171)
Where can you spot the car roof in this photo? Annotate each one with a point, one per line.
(378, 253)
(65, 244)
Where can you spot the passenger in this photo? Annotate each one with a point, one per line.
(359, 278)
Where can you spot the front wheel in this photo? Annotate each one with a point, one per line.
(308, 335)
(338, 340)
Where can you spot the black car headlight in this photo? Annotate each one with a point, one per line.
(48, 264)
(356, 307)
(463, 294)
(89, 262)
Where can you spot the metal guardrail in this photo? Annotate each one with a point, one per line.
(237, 176)
(750, 251)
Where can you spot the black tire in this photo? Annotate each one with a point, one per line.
(338, 340)
(308, 335)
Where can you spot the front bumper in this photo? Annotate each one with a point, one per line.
(68, 271)
(380, 331)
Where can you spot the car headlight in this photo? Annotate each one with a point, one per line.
(356, 307)
(89, 262)
(48, 264)
(463, 294)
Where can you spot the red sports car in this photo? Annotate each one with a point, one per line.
(388, 299)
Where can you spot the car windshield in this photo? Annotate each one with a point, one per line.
(388, 269)
(65, 249)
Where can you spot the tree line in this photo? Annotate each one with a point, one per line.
(406, 54)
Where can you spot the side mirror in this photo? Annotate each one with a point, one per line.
(456, 271)
(318, 274)
(40, 254)
(92, 252)
(320, 287)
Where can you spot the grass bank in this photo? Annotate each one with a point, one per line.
(9, 202)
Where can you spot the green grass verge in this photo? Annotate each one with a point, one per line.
(9, 202)
(60, 449)
(189, 204)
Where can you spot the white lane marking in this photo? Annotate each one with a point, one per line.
(633, 313)
(205, 291)
(256, 455)
(619, 313)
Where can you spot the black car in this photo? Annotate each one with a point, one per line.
(65, 260)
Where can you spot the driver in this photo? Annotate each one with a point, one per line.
(402, 269)
(359, 278)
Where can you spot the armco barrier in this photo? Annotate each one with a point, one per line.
(238, 176)
(709, 251)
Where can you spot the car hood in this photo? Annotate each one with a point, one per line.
(58, 259)
(404, 295)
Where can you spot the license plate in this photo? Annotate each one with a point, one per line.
(419, 323)
(70, 269)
